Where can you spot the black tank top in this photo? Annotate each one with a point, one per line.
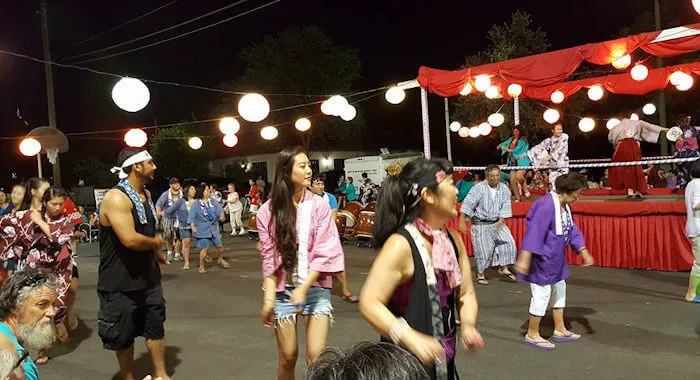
(123, 269)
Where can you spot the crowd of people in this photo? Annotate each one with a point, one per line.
(419, 294)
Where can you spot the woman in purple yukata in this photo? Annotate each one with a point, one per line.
(550, 228)
(421, 278)
(301, 252)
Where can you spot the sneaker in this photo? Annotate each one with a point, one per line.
(169, 257)
(243, 232)
(233, 233)
(178, 257)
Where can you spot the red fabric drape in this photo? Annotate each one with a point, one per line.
(553, 67)
(641, 235)
(628, 177)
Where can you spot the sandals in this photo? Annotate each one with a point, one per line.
(482, 281)
(224, 264)
(43, 358)
(696, 299)
(543, 344)
(186, 267)
(568, 336)
(351, 298)
(202, 270)
(509, 275)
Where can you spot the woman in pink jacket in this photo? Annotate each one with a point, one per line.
(301, 252)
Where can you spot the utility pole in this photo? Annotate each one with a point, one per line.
(49, 83)
(662, 94)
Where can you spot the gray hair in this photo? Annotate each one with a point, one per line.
(20, 286)
(8, 359)
(491, 168)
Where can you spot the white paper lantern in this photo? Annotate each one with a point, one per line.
(30, 147)
(612, 123)
(586, 124)
(336, 105)
(482, 83)
(463, 132)
(349, 112)
(649, 109)
(326, 108)
(229, 126)
(696, 5)
(557, 97)
(639, 72)
(230, 140)
(622, 62)
(455, 126)
(474, 131)
(466, 90)
(677, 77)
(302, 124)
(595, 93)
(634, 116)
(253, 107)
(686, 83)
(485, 129)
(130, 94)
(135, 138)
(269, 133)
(496, 119)
(551, 116)
(514, 90)
(395, 95)
(493, 92)
(195, 143)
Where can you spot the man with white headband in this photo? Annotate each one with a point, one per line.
(129, 279)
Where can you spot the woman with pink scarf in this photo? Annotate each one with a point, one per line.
(421, 277)
(301, 252)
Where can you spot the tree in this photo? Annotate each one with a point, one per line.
(174, 157)
(94, 172)
(305, 61)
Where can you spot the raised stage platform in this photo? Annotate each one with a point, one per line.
(621, 233)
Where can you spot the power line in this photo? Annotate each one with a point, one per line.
(167, 83)
(183, 34)
(124, 24)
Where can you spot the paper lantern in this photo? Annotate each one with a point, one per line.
(466, 90)
(135, 138)
(696, 5)
(595, 93)
(269, 133)
(195, 143)
(649, 109)
(551, 116)
(639, 72)
(557, 97)
(230, 140)
(327, 108)
(229, 126)
(302, 124)
(612, 123)
(496, 119)
(622, 62)
(335, 105)
(482, 83)
(455, 126)
(30, 147)
(130, 94)
(474, 131)
(492, 92)
(677, 77)
(253, 107)
(634, 116)
(349, 112)
(485, 129)
(395, 95)
(463, 132)
(586, 124)
(686, 83)
(514, 90)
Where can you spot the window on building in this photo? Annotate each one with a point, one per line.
(259, 169)
(339, 164)
(315, 167)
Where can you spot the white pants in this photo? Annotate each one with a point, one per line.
(696, 253)
(544, 295)
(236, 220)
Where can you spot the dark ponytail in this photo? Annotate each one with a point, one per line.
(284, 214)
(33, 184)
(51, 193)
(399, 199)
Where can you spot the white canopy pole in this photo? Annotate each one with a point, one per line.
(426, 121)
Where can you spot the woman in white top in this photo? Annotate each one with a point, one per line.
(235, 209)
(692, 228)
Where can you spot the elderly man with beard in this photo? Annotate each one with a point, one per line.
(27, 310)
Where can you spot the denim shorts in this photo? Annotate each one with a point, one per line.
(318, 302)
(184, 233)
(208, 242)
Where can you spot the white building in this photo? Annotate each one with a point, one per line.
(321, 161)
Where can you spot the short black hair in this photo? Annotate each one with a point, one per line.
(199, 191)
(124, 155)
(695, 169)
(174, 180)
(570, 182)
(367, 361)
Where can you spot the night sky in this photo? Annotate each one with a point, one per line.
(394, 39)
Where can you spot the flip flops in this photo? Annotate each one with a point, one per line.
(568, 337)
(351, 298)
(544, 345)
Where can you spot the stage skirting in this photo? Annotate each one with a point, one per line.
(640, 235)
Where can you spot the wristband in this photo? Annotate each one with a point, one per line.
(398, 329)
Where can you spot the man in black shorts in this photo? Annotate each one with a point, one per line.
(129, 283)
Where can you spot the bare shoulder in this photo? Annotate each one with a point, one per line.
(396, 247)
(115, 198)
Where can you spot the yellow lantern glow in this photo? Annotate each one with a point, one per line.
(482, 83)
(557, 97)
(30, 147)
(595, 93)
(474, 131)
(466, 90)
(514, 90)
(622, 62)
(586, 124)
(302, 124)
(463, 132)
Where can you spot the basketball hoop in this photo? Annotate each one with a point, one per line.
(52, 154)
